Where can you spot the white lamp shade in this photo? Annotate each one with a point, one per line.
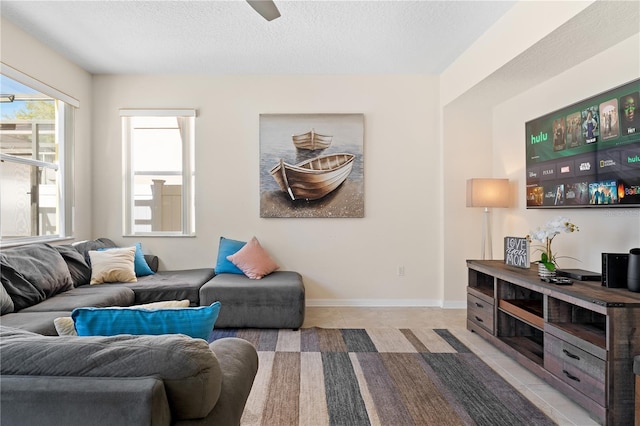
(488, 193)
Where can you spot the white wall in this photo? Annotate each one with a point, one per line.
(601, 230)
(353, 261)
(27, 55)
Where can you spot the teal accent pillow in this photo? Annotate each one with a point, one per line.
(140, 265)
(196, 322)
(226, 248)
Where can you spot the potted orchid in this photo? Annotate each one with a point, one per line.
(546, 234)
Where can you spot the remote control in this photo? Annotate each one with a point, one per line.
(558, 280)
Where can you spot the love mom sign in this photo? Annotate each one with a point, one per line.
(516, 252)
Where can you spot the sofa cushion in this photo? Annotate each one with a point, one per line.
(113, 265)
(6, 304)
(227, 247)
(169, 285)
(84, 401)
(33, 273)
(36, 322)
(189, 369)
(253, 260)
(66, 327)
(195, 322)
(86, 295)
(79, 269)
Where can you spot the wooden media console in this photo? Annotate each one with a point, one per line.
(579, 338)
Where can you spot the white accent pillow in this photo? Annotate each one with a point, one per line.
(65, 326)
(115, 265)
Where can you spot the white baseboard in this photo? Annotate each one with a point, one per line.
(379, 303)
(454, 304)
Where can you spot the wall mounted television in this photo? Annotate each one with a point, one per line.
(586, 154)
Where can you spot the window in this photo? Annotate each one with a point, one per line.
(159, 172)
(36, 138)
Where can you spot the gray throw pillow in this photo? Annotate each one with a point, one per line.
(79, 269)
(22, 292)
(84, 247)
(42, 266)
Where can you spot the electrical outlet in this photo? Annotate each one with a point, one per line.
(401, 271)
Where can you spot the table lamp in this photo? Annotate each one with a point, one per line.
(487, 193)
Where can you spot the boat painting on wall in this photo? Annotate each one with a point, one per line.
(311, 165)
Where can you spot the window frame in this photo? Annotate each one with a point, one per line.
(187, 132)
(65, 136)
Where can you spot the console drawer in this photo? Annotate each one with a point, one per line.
(578, 368)
(480, 312)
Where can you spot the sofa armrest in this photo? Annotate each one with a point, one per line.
(239, 364)
(152, 261)
(83, 401)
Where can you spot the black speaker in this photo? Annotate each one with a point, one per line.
(614, 269)
(633, 271)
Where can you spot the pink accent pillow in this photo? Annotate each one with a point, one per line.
(253, 260)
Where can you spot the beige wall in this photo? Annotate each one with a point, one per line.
(27, 55)
(343, 260)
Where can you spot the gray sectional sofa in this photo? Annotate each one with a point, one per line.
(45, 282)
(48, 379)
(120, 380)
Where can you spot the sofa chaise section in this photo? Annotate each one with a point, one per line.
(275, 301)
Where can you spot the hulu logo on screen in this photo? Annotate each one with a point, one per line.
(540, 138)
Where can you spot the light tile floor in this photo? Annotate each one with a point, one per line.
(556, 405)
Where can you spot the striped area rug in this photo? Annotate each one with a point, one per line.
(381, 376)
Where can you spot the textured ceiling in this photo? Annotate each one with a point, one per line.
(229, 37)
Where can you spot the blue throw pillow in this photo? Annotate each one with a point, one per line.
(226, 248)
(195, 322)
(140, 265)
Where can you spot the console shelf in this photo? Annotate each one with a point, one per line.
(529, 311)
(588, 333)
(530, 347)
(581, 338)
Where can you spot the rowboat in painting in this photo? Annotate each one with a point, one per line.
(311, 141)
(314, 178)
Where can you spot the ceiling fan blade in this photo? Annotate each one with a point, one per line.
(266, 8)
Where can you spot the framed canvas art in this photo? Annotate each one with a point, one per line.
(311, 165)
